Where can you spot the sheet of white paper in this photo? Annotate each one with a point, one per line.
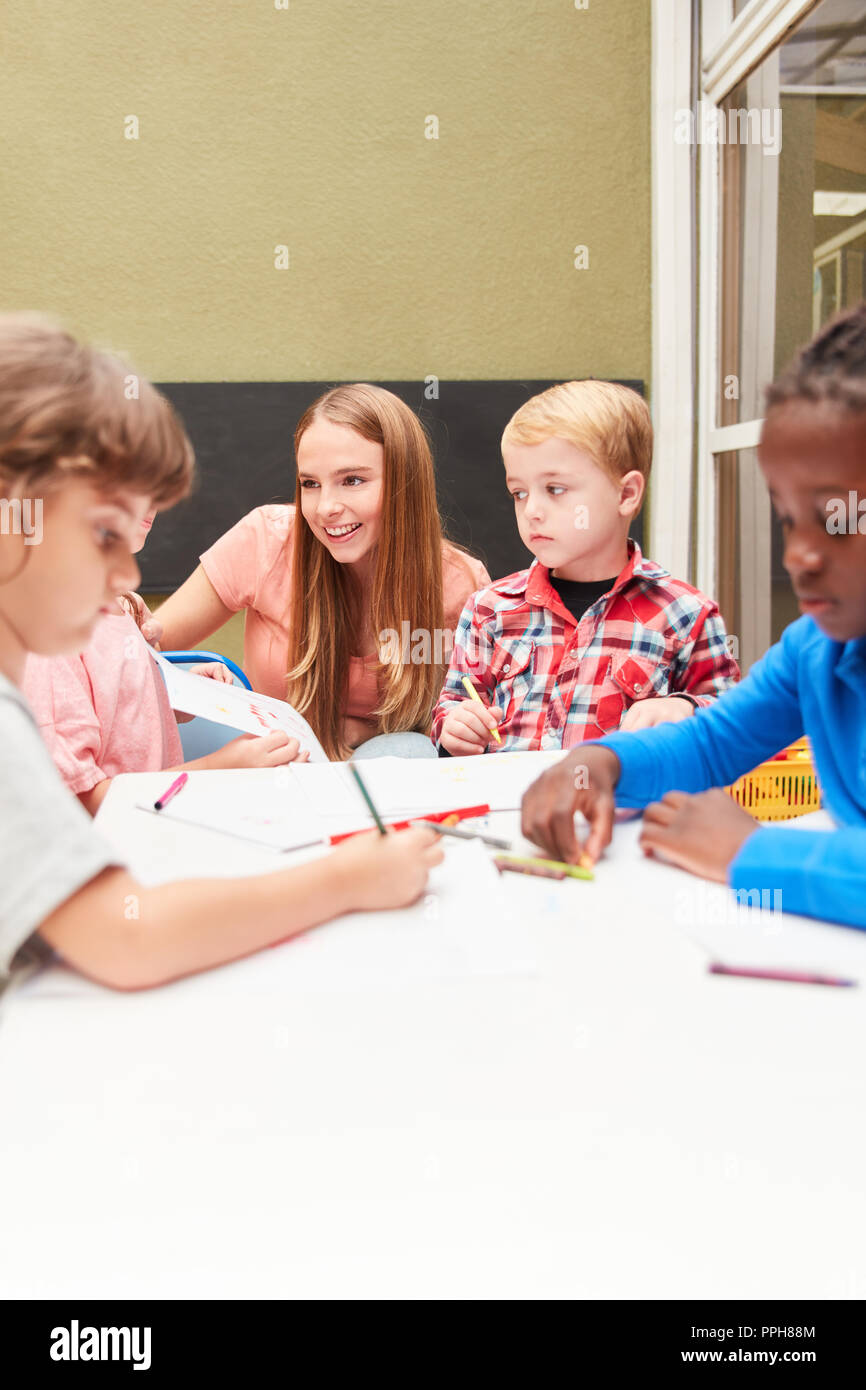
(236, 707)
(266, 811)
(496, 779)
(755, 935)
(465, 926)
(306, 802)
(752, 936)
(748, 938)
(417, 787)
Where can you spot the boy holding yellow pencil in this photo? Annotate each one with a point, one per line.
(592, 637)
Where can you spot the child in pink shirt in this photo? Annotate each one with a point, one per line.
(105, 711)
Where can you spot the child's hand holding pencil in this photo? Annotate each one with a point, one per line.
(470, 725)
(385, 868)
(379, 871)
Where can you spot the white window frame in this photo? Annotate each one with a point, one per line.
(685, 408)
(673, 292)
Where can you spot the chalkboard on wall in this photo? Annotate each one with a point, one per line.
(242, 434)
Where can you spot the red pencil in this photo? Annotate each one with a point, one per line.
(462, 813)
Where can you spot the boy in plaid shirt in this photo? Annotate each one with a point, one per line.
(592, 637)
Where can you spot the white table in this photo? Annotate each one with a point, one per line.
(606, 1121)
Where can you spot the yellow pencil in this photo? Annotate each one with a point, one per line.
(475, 696)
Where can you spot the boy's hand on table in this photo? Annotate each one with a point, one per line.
(583, 781)
(468, 728)
(665, 709)
(386, 870)
(701, 833)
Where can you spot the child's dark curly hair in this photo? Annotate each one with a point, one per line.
(832, 367)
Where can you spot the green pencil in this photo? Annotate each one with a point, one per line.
(552, 868)
(366, 795)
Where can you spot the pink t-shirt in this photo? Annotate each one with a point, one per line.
(250, 567)
(105, 711)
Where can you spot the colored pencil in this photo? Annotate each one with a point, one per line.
(473, 694)
(794, 977)
(368, 799)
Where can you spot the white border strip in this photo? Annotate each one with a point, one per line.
(762, 25)
(822, 91)
(837, 242)
(745, 435)
(673, 291)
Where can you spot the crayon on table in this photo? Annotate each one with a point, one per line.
(793, 977)
(438, 817)
(545, 868)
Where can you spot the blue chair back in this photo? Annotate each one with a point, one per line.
(200, 658)
(199, 737)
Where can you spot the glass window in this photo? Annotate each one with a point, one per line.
(792, 141)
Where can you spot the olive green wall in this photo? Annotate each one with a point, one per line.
(306, 127)
(796, 223)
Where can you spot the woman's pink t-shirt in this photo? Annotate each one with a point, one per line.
(250, 567)
(106, 710)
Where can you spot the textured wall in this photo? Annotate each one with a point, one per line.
(305, 126)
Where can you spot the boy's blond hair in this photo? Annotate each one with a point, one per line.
(611, 423)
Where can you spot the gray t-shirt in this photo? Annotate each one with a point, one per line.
(49, 847)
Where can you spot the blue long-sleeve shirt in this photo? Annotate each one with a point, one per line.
(806, 683)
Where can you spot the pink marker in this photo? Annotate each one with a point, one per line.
(173, 790)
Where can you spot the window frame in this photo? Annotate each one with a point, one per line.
(692, 442)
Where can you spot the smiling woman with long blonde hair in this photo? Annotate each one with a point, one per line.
(334, 586)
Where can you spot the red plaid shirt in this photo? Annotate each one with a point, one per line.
(559, 682)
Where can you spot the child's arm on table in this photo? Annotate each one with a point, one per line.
(745, 725)
(460, 724)
(249, 750)
(702, 833)
(183, 928)
(816, 873)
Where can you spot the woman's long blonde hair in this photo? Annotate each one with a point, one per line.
(326, 610)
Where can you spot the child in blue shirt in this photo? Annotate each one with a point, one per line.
(813, 456)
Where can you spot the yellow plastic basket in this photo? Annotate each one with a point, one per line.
(782, 788)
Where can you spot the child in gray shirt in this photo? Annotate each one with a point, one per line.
(83, 460)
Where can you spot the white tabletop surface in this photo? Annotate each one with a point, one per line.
(578, 1109)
